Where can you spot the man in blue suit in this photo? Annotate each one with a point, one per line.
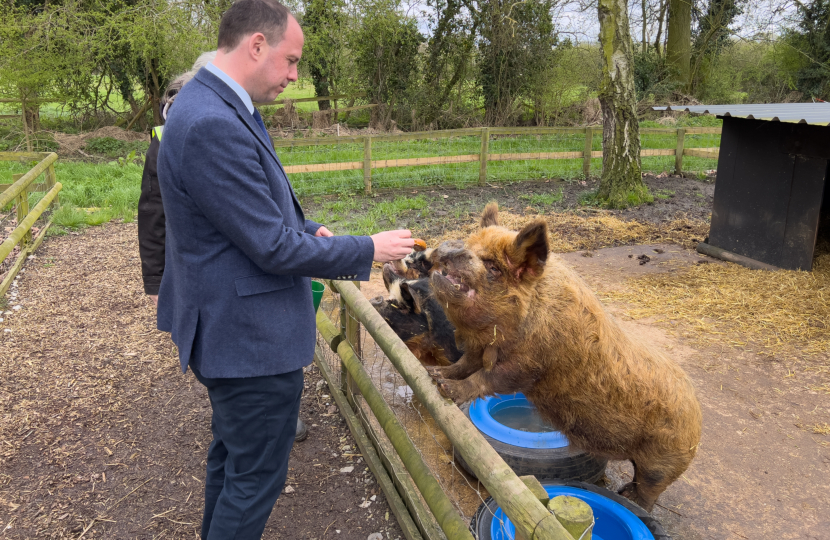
(236, 293)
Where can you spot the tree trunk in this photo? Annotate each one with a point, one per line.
(321, 87)
(679, 45)
(645, 19)
(622, 182)
(661, 17)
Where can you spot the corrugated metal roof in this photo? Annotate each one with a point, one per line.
(802, 113)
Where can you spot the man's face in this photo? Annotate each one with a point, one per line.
(279, 63)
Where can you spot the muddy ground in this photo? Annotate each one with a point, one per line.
(101, 436)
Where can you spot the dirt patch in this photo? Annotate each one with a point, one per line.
(681, 216)
(102, 433)
(72, 145)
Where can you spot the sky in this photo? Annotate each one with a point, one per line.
(578, 20)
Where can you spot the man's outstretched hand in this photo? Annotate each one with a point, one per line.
(392, 245)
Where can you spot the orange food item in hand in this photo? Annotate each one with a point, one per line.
(420, 245)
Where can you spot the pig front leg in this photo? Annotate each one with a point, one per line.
(469, 363)
(482, 383)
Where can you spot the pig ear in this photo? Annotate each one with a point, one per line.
(530, 250)
(408, 299)
(490, 216)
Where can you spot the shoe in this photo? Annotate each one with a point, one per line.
(302, 431)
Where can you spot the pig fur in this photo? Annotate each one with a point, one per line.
(530, 324)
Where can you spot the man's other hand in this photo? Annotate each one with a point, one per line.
(322, 231)
(392, 245)
(155, 299)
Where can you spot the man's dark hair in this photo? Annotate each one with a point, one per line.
(246, 17)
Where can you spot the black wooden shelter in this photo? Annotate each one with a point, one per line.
(771, 197)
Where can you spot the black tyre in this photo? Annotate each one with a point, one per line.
(482, 521)
(566, 463)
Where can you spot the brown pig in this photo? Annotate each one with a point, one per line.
(529, 324)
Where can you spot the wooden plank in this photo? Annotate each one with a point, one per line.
(413, 162)
(23, 156)
(23, 209)
(535, 155)
(21, 259)
(38, 100)
(370, 455)
(27, 179)
(703, 131)
(32, 187)
(307, 100)
(417, 135)
(711, 153)
(317, 141)
(324, 167)
(355, 108)
(16, 235)
(536, 131)
(651, 152)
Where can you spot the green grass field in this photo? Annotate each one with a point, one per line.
(96, 193)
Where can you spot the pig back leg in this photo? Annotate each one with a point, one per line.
(652, 475)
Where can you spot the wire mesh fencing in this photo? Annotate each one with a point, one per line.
(465, 492)
(459, 158)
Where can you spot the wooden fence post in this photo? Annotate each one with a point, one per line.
(25, 122)
(678, 156)
(367, 165)
(351, 333)
(51, 179)
(586, 153)
(482, 159)
(23, 210)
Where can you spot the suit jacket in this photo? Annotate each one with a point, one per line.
(236, 293)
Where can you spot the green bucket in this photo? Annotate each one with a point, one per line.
(317, 290)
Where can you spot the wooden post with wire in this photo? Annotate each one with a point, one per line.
(367, 165)
(485, 145)
(351, 334)
(23, 210)
(678, 156)
(586, 153)
(25, 122)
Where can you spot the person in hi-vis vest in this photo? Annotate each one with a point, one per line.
(150, 208)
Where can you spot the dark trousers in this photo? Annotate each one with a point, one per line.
(254, 422)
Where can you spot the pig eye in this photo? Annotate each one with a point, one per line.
(492, 269)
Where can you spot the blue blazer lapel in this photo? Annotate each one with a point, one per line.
(217, 85)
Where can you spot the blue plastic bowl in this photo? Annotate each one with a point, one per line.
(483, 409)
(612, 521)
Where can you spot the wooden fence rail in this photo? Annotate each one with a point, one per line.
(19, 192)
(532, 520)
(483, 157)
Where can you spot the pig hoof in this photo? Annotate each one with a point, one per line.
(434, 372)
(629, 491)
